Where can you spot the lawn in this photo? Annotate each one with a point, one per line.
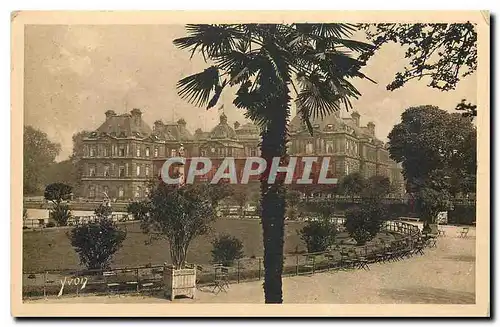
(50, 248)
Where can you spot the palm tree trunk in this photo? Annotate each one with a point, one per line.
(274, 139)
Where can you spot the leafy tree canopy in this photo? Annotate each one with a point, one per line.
(433, 147)
(352, 184)
(38, 154)
(57, 192)
(444, 53)
(179, 214)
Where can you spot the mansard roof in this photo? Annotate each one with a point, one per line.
(332, 123)
(125, 125)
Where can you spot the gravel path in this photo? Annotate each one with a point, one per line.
(444, 275)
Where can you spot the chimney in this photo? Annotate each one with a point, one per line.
(355, 116)
(109, 114)
(371, 128)
(181, 122)
(136, 115)
(158, 125)
(236, 125)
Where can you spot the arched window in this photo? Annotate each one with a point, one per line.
(138, 192)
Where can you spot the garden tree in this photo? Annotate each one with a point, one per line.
(57, 193)
(364, 222)
(103, 211)
(264, 63)
(226, 249)
(432, 142)
(469, 109)
(430, 202)
(376, 187)
(318, 235)
(352, 184)
(76, 156)
(38, 154)
(179, 215)
(63, 172)
(293, 198)
(442, 52)
(138, 209)
(240, 195)
(96, 242)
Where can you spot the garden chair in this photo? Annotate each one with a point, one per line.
(310, 263)
(221, 281)
(112, 283)
(441, 232)
(463, 233)
(345, 260)
(431, 242)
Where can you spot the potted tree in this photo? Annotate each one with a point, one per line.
(179, 215)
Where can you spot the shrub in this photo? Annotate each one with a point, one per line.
(51, 224)
(60, 214)
(226, 249)
(103, 211)
(318, 235)
(364, 222)
(96, 242)
(138, 209)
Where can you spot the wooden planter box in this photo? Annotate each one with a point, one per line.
(179, 281)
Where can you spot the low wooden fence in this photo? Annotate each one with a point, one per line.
(150, 277)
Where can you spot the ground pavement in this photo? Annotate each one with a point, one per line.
(445, 275)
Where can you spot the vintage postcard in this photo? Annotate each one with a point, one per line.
(211, 164)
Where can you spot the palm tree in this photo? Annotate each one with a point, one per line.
(266, 62)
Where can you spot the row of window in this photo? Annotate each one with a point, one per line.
(122, 171)
(121, 151)
(104, 191)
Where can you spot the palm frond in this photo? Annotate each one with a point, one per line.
(353, 45)
(211, 40)
(196, 88)
(316, 96)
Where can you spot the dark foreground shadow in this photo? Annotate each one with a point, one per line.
(428, 295)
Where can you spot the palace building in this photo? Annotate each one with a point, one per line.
(124, 152)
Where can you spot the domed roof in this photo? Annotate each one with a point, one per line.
(223, 130)
(248, 130)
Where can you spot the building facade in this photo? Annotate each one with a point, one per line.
(124, 153)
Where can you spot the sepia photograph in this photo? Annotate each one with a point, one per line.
(200, 163)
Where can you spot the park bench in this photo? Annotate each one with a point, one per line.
(464, 232)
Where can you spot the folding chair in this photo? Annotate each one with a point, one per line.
(464, 232)
(431, 242)
(221, 282)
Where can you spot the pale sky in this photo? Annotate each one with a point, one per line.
(74, 73)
